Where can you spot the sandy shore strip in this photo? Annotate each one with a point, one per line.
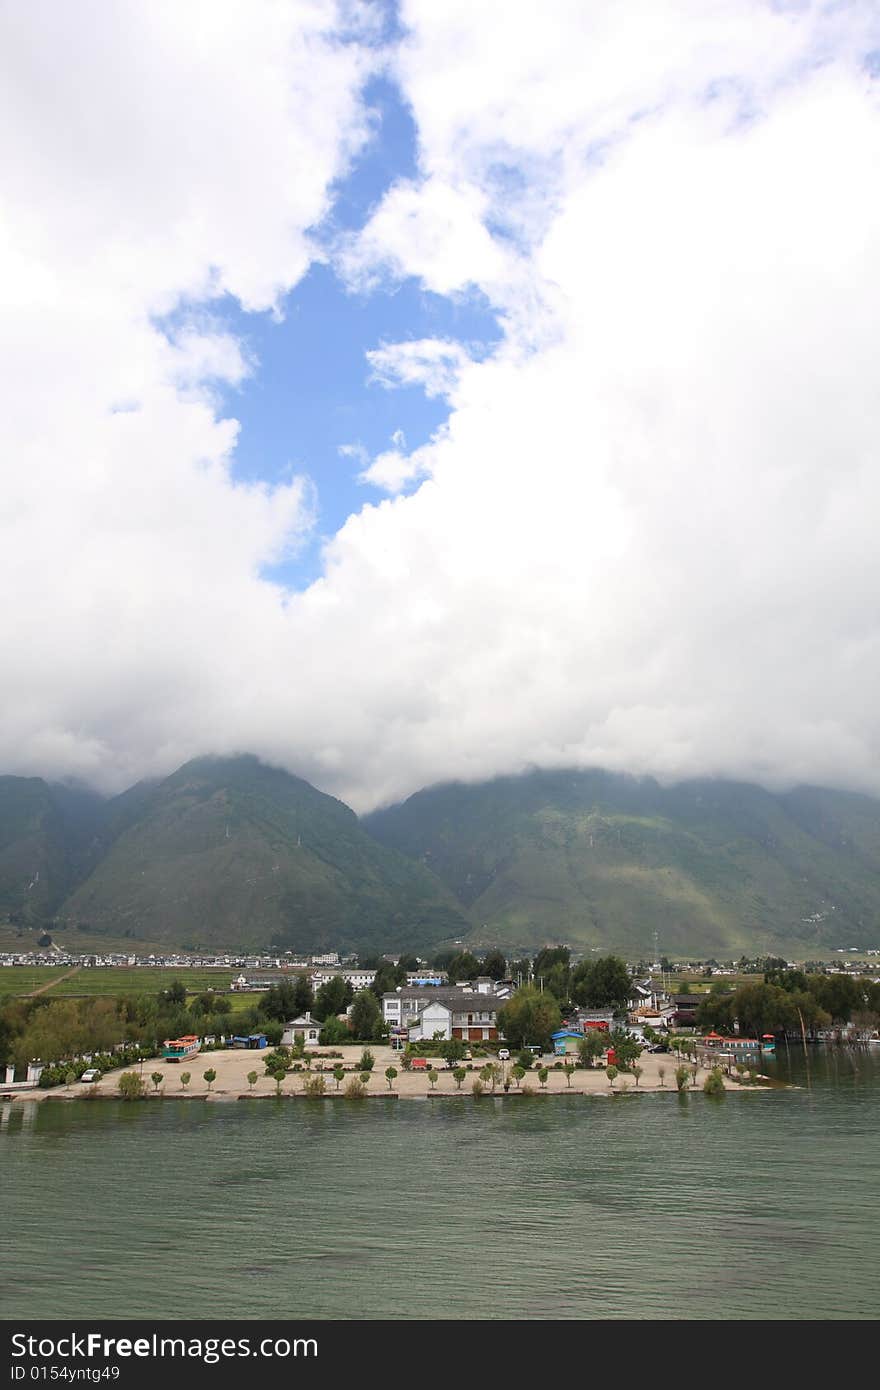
(232, 1067)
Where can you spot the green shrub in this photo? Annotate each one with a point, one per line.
(355, 1090)
(131, 1086)
(367, 1061)
(314, 1086)
(714, 1083)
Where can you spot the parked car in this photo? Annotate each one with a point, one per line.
(504, 1054)
(92, 1074)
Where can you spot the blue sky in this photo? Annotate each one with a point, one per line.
(311, 391)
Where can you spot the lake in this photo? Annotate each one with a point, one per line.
(762, 1204)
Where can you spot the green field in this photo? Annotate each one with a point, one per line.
(108, 980)
(24, 979)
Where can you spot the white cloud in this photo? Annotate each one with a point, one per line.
(435, 364)
(154, 156)
(645, 537)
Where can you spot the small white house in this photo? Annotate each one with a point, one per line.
(305, 1029)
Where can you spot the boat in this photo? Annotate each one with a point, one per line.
(768, 1042)
(180, 1049)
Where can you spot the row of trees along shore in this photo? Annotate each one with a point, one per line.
(785, 1001)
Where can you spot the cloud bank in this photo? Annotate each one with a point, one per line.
(645, 537)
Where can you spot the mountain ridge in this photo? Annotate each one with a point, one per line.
(234, 853)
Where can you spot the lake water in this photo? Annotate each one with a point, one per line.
(758, 1205)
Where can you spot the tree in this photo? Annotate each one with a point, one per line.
(569, 1070)
(530, 1017)
(517, 1073)
(334, 1031)
(185, 1078)
(365, 1015)
(278, 1076)
(681, 1077)
(338, 1075)
(626, 1049)
(494, 965)
(433, 1077)
(252, 1079)
(288, 999)
(368, 1061)
(459, 1075)
(661, 1072)
(69, 1077)
(453, 1051)
(279, 1001)
(611, 1073)
(131, 1085)
(390, 1077)
(636, 1071)
(602, 984)
(333, 998)
(156, 1078)
(839, 995)
(543, 1073)
(549, 956)
(387, 978)
(365, 1079)
(210, 1076)
(591, 1046)
(174, 994)
(714, 1083)
(552, 969)
(464, 966)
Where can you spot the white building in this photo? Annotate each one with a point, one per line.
(305, 1029)
(452, 1012)
(358, 979)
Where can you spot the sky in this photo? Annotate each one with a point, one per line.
(407, 392)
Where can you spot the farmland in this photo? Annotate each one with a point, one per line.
(24, 979)
(107, 981)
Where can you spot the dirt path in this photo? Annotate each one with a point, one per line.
(52, 983)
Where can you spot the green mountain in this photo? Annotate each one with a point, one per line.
(599, 860)
(228, 852)
(48, 840)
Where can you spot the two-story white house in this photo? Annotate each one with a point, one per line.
(451, 1012)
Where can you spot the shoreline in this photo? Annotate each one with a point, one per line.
(232, 1067)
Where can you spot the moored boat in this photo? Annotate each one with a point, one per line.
(180, 1049)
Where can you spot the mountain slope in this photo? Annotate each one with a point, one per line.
(47, 841)
(595, 859)
(228, 852)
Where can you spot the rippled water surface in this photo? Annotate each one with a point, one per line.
(764, 1204)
